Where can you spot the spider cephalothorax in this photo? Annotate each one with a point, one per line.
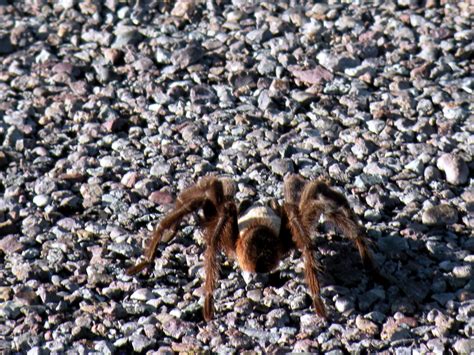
(258, 236)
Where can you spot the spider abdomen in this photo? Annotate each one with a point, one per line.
(257, 250)
(257, 247)
(260, 215)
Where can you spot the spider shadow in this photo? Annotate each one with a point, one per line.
(278, 279)
(415, 268)
(342, 273)
(340, 262)
(420, 265)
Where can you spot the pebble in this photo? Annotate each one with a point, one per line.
(463, 271)
(10, 244)
(315, 76)
(141, 343)
(376, 126)
(454, 167)
(464, 346)
(367, 326)
(282, 166)
(175, 328)
(161, 169)
(440, 215)
(416, 166)
(191, 54)
(6, 46)
(343, 305)
(277, 318)
(454, 113)
(376, 316)
(41, 200)
(443, 325)
(203, 95)
(255, 295)
(161, 197)
(336, 62)
(126, 35)
(431, 173)
(142, 294)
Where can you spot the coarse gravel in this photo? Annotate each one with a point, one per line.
(108, 109)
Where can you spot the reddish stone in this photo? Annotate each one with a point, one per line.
(161, 197)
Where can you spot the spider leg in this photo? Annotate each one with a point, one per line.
(165, 231)
(303, 242)
(215, 197)
(207, 193)
(224, 232)
(350, 228)
(335, 207)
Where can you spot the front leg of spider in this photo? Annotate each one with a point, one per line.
(221, 233)
(215, 197)
(167, 229)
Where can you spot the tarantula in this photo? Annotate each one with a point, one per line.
(259, 236)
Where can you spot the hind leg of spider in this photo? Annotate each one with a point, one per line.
(291, 222)
(318, 198)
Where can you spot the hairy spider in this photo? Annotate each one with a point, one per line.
(258, 236)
